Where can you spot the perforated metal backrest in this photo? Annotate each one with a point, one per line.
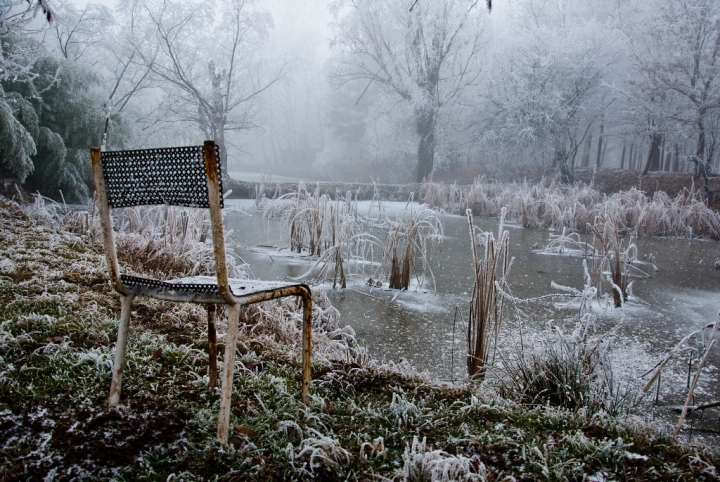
(174, 176)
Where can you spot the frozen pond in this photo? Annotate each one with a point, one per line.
(681, 294)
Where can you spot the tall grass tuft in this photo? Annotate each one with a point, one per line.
(568, 371)
(408, 240)
(572, 371)
(486, 305)
(319, 226)
(549, 205)
(161, 241)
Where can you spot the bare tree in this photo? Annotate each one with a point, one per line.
(16, 15)
(207, 54)
(423, 52)
(77, 31)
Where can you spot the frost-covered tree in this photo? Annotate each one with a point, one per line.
(676, 50)
(16, 53)
(16, 143)
(17, 15)
(547, 92)
(424, 53)
(207, 55)
(77, 31)
(62, 109)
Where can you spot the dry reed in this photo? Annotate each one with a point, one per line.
(320, 227)
(486, 305)
(549, 205)
(409, 238)
(702, 338)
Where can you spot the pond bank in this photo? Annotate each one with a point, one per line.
(366, 420)
(606, 181)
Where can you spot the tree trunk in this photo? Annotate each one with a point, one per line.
(631, 164)
(653, 161)
(220, 141)
(668, 160)
(598, 159)
(426, 146)
(622, 158)
(586, 151)
(700, 151)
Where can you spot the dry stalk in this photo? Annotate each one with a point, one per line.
(415, 229)
(692, 389)
(486, 305)
(656, 373)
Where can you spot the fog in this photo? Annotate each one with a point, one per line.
(398, 90)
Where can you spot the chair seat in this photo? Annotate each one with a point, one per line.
(199, 289)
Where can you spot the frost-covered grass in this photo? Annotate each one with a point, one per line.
(365, 420)
(549, 205)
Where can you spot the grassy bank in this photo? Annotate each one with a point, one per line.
(58, 320)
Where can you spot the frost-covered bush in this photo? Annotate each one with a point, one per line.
(572, 371)
(49, 119)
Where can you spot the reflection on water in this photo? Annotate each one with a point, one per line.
(424, 327)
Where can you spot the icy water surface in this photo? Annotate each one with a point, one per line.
(681, 294)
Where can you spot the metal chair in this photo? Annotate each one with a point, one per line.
(190, 177)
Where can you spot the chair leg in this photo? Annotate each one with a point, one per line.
(120, 348)
(228, 372)
(307, 346)
(212, 346)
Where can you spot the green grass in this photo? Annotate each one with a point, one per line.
(58, 320)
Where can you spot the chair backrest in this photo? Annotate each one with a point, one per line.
(177, 176)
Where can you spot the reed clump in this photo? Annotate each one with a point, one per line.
(319, 226)
(408, 242)
(486, 304)
(569, 371)
(551, 205)
(609, 254)
(345, 243)
(614, 256)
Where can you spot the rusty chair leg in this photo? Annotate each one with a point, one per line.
(120, 349)
(228, 372)
(212, 346)
(307, 345)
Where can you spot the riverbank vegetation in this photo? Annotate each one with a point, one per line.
(365, 419)
(549, 204)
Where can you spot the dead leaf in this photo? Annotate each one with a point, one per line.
(246, 431)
